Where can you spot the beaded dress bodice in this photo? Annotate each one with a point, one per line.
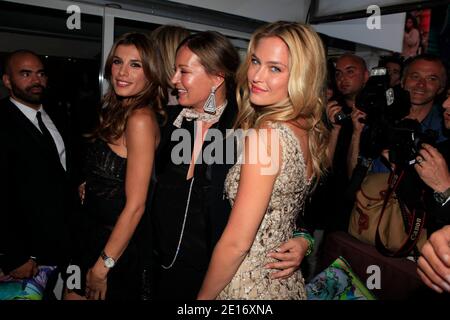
(290, 190)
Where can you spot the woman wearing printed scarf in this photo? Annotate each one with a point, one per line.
(190, 211)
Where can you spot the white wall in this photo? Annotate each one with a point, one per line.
(331, 7)
(389, 37)
(370, 55)
(265, 10)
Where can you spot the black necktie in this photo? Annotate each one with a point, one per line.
(47, 136)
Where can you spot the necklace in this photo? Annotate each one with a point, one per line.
(182, 228)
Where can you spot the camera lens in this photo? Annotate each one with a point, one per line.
(341, 117)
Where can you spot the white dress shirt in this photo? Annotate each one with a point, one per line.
(30, 113)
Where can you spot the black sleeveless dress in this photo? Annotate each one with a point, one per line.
(104, 200)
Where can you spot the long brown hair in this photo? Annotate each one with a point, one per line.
(115, 109)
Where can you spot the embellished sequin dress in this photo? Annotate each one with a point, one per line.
(252, 280)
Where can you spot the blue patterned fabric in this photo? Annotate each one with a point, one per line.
(337, 282)
(25, 289)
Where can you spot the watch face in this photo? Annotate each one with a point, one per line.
(109, 262)
(440, 197)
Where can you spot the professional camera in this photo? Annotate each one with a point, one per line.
(380, 102)
(385, 108)
(345, 114)
(405, 141)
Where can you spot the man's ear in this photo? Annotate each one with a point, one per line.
(443, 86)
(366, 76)
(6, 81)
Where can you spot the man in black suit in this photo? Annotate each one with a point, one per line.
(35, 196)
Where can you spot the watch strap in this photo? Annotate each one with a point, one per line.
(106, 258)
(442, 197)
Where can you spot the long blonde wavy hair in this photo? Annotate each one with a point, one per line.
(306, 88)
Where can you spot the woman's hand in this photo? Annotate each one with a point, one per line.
(96, 282)
(290, 254)
(28, 270)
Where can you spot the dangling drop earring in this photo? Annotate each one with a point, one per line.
(210, 104)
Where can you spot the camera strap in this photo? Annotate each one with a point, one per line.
(414, 220)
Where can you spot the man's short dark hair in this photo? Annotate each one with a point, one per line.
(426, 57)
(393, 59)
(11, 55)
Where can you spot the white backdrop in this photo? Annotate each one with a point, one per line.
(331, 7)
(389, 37)
(265, 10)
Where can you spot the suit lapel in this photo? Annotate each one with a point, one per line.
(30, 129)
(25, 124)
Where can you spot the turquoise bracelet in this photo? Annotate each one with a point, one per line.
(305, 235)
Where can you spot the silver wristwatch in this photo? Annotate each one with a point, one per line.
(441, 197)
(108, 261)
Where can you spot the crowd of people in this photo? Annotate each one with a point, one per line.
(209, 175)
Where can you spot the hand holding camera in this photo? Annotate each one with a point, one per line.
(337, 110)
(333, 113)
(432, 168)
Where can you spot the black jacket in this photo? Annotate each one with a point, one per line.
(209, 209)
(36, 195)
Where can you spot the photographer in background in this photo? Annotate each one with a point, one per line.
(424, 78)
(351, 77)
(432, 167)
(394, 67)
(329, 207)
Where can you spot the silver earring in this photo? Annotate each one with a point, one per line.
(210, 104)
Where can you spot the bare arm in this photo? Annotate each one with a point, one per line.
(141, 136)
(332, 109)
(251, 202)
(353, 150)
